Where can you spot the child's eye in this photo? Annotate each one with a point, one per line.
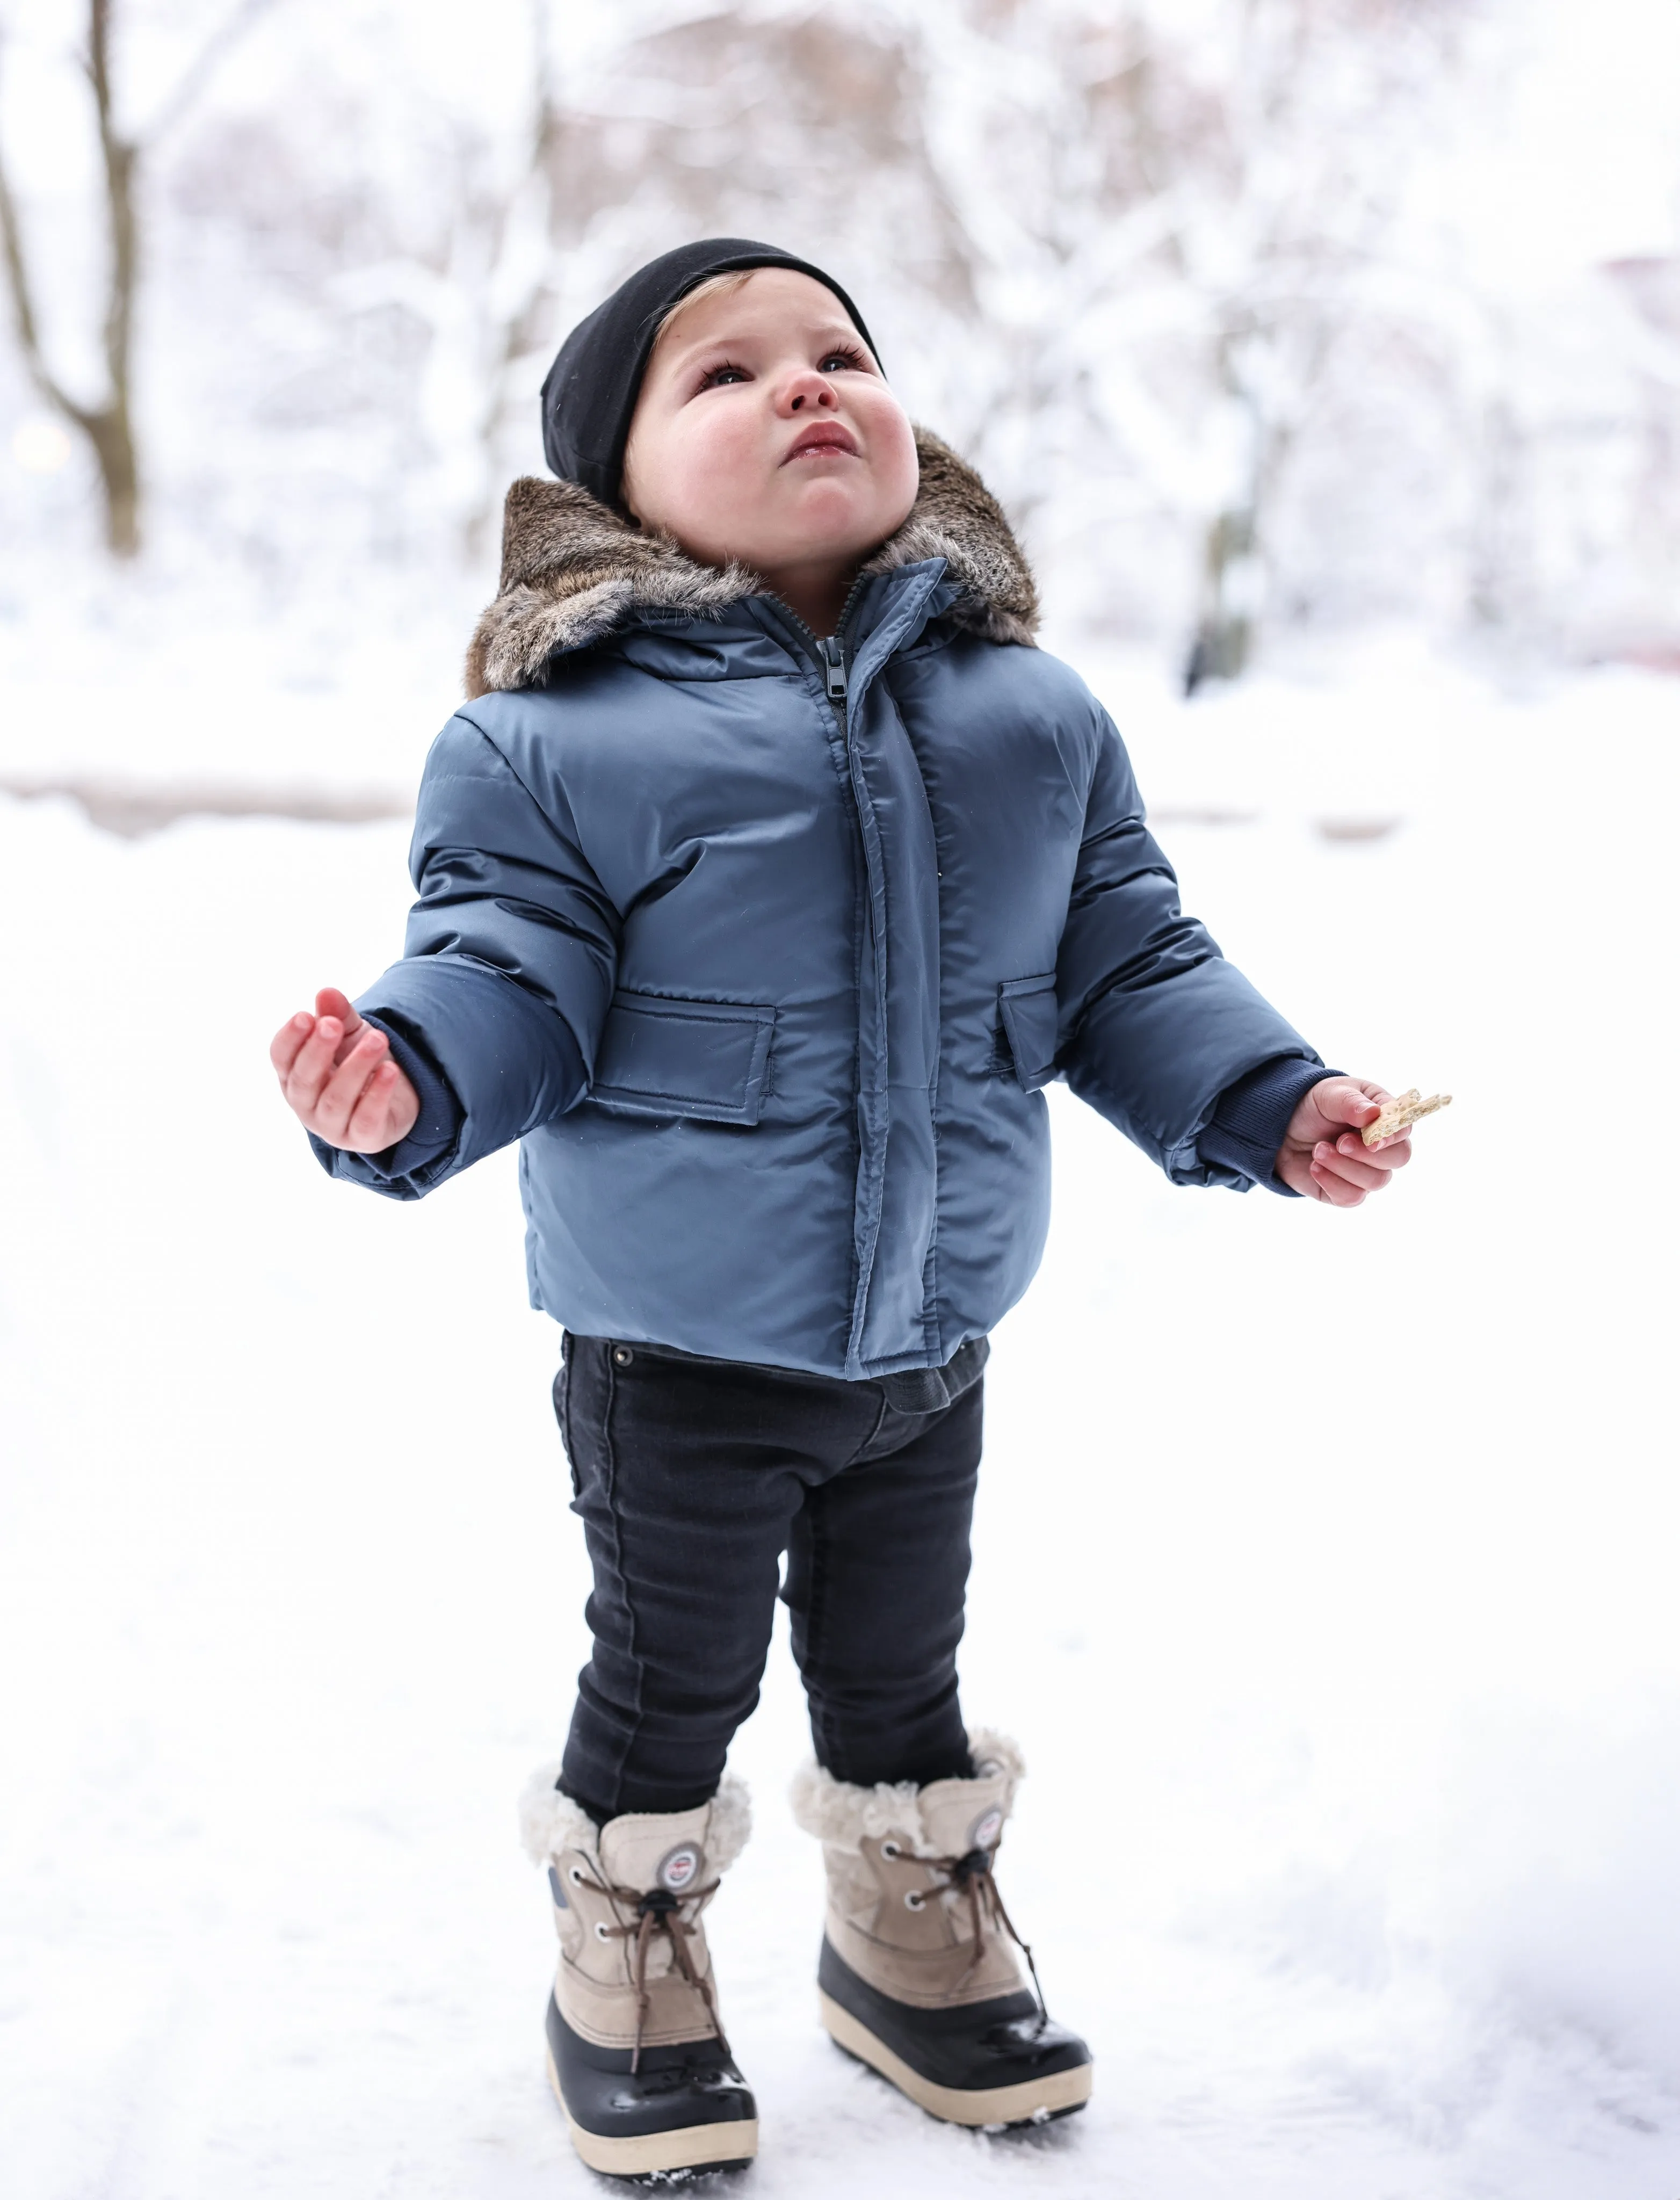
(718, 377)
(832, 359)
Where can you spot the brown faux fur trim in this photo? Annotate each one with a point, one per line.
(956, 517)
(573, 570)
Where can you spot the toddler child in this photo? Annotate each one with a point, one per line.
(767, 876)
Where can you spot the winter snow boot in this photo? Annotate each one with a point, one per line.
(918, 1975)
(636, 2050)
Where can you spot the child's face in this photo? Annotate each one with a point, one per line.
(764, 432)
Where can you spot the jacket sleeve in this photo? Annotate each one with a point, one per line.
(1155, 1024)
(497, 1006)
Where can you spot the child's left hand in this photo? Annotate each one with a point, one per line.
(1322, 1158)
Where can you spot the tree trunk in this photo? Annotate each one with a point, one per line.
(112, 437)
(110, 429)
(1224, 638)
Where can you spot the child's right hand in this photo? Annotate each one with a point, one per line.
(339, 1079)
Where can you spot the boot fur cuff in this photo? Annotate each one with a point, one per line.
(550, 1822)
(730, 1826)
(844, 1816)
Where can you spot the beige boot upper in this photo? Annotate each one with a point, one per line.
(598, 1878)
(899, 1913)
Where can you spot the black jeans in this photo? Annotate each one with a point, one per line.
(691, 1477)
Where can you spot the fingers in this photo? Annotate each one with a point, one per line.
(1290, 1168)
(336, 1101)
(368, 1128)
(293, 1036)
(387, 1112)
(1348, 1159)
(285, 1047)
(330, 1001)
(1341, 1171)
(337, 1073)
(1387, 1155)
(1348, 1100)
(1350, 1162)
(311, 1064)
(1331, 1186)
(325, 1079)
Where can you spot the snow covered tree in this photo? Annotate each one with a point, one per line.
(1158, 267)
(1114, 252)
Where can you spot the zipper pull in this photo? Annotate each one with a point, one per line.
(834, 660)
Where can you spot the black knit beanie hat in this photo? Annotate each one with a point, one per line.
(592, 387)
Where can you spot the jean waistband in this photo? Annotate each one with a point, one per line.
(914, 1390)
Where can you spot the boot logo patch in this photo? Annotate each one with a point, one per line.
(983, 1834)
(679, 1869)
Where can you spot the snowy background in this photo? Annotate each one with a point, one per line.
(1324, 1561)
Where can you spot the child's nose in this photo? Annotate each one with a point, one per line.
(806, 390)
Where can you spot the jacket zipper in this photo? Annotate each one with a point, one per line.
(830, 651)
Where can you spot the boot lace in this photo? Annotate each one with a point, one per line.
(971, 1877)
(653, 1913)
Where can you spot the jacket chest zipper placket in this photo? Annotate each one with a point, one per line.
(829, 652)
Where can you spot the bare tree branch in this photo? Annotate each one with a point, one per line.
(109, 425)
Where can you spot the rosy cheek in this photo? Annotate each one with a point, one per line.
(726, 455)
(710, 477)
(892, 444)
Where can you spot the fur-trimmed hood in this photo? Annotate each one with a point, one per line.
(573, 570)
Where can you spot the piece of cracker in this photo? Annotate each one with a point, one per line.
(1400, 1114)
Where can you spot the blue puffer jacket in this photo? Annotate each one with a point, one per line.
(765, 948)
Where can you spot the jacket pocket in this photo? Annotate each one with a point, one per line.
(1027, 1006)
(706, 1059)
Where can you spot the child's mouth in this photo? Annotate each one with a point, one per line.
(830, 436)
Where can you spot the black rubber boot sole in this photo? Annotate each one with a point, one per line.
(686, 2108)
(993, 2064)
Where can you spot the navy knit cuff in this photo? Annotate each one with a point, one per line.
(1253, 1115)
(437, 1125)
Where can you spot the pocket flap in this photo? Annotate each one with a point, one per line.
(702, 1058)
(1028, 1010)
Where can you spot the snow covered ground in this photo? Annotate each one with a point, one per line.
(1325, 1565)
